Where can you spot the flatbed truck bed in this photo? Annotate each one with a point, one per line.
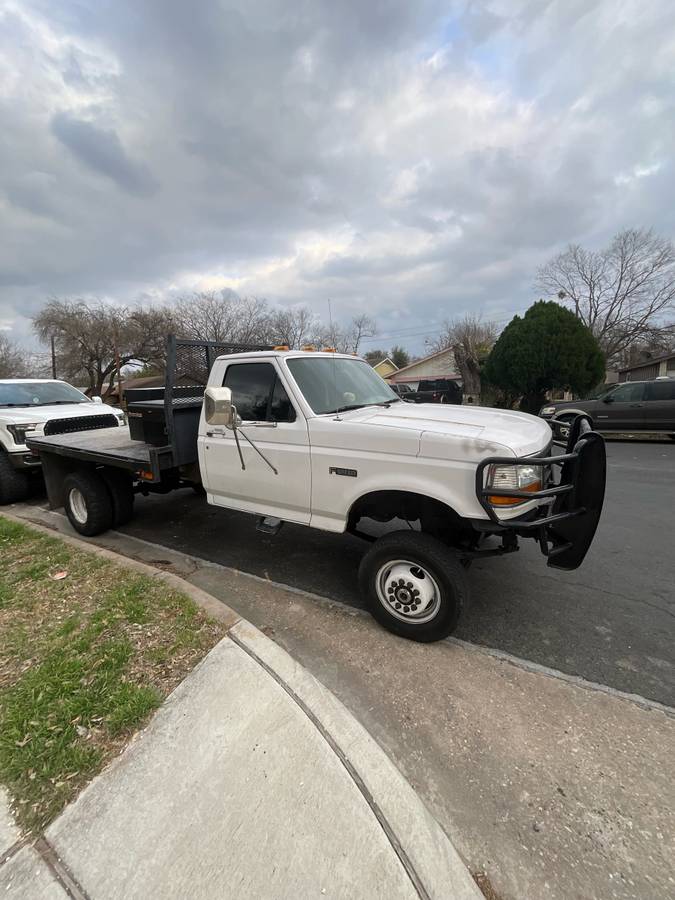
(107, 447)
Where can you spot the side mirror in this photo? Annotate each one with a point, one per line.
(218, 408)
(609, 399)
(96, 400)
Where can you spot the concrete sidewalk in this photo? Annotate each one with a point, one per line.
(251, 781)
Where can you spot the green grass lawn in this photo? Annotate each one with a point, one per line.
(84, 660)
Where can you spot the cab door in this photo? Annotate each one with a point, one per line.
(622, 409)
(271, 421)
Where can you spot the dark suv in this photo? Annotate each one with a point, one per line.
(630, 406)
(437, 390)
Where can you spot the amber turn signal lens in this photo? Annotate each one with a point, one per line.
(514, 501)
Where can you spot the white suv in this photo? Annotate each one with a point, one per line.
(37, 407)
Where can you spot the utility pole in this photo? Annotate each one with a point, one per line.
(53, 358)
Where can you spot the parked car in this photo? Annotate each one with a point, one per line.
(437, 390)
(404, 391)
(318, 439)
(37, 407)
(630, 406)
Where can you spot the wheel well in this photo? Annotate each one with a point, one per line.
(434, 516)
(571, 414)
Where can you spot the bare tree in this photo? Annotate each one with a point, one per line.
(470, 340)
(94, 340)
(223, 316)
(621, 293)
(12, 359)
(344, 340)
(361, 327)
(293, 326)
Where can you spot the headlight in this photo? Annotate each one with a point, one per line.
(513, 478)
(547, 410)
(19, 432)
(121, 418)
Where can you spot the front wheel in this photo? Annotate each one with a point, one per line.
(413, 585)
(14, 484)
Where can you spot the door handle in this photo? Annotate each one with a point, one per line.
(217, 432)
(636, 405)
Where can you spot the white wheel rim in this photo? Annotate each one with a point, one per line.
(77, 505)
(408, 591)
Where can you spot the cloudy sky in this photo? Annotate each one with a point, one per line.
(411, 158)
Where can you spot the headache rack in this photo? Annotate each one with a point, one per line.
(167, 417)
(160, 446)
(188, 364)
(565, 526)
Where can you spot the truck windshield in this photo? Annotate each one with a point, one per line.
(335, 385)
(39, 393)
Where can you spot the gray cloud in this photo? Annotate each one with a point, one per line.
(101, 150)
(415, 159)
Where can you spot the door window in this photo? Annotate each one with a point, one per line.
(628, 393)
(257, 393)
(661, 390)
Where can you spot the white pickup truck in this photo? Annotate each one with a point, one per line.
(39, 406)
(319, 439)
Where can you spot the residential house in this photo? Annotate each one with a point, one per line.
(437, 365)
(648, 369)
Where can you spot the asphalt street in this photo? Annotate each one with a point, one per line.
(612, 621)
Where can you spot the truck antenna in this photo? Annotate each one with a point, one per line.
(332, 337)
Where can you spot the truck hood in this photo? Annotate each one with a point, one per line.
(479, 431)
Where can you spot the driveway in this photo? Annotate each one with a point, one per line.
(610, 622)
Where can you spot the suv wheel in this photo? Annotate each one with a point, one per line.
(14, 484)
(413, 585)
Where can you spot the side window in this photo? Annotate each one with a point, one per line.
(628, 393)
(281, 408)
(661, 390)
(251, 386)
(257, 393)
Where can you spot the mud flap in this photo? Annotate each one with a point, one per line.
(571, 538)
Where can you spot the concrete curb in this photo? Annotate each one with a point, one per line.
(432, 862)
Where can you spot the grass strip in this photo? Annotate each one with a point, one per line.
(84, 660)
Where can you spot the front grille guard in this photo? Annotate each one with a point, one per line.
(564, 528)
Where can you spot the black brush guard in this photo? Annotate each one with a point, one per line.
(565, 527)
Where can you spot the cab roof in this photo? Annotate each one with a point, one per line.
(290, 354)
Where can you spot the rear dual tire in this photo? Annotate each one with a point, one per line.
(414, 585)
(96, 502)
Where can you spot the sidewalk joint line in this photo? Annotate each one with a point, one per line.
(59, 870)
(351, 771)
(14, 849)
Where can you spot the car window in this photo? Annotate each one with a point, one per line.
(39, 393)
(257, 393)
(661, 390)
(628, 393)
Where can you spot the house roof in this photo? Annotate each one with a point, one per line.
(385, 360)
(423, 360)
(648, 362)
